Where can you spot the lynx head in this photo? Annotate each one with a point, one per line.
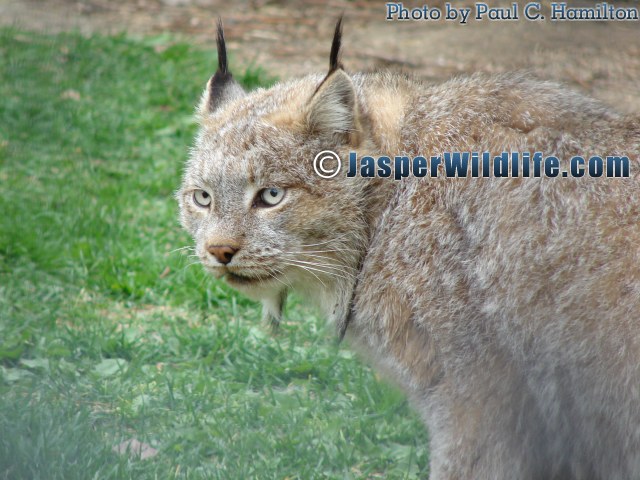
(258, 213)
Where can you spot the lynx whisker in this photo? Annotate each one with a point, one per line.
(186, 247)
(191, 264)
(333, 266)
(317, 268)
(275, 277)
(330, 262)
(331, 250)
(334, 239)
(308, 269)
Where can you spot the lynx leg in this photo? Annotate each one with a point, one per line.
(482, 430)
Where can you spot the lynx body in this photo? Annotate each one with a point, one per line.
(507, 308)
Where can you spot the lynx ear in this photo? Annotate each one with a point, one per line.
(221, 87)
(333, 109)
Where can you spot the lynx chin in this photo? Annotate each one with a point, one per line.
(508, 309)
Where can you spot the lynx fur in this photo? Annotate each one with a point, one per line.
(508, 309)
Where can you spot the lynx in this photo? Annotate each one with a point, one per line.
(508, 309)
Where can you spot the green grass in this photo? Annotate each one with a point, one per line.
(108, 334)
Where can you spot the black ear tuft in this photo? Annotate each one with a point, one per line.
(222, 76)
(222, 50)
(334, 57)
(221, 87)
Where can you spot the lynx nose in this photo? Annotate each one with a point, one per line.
(223, 253)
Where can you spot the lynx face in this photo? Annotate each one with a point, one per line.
(259, 215)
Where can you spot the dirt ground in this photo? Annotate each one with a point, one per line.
(290, 38)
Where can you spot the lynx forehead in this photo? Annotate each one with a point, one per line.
(507, 308)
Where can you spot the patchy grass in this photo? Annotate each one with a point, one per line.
(107, 334)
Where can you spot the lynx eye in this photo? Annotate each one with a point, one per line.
(270, 197)
(201, 198)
